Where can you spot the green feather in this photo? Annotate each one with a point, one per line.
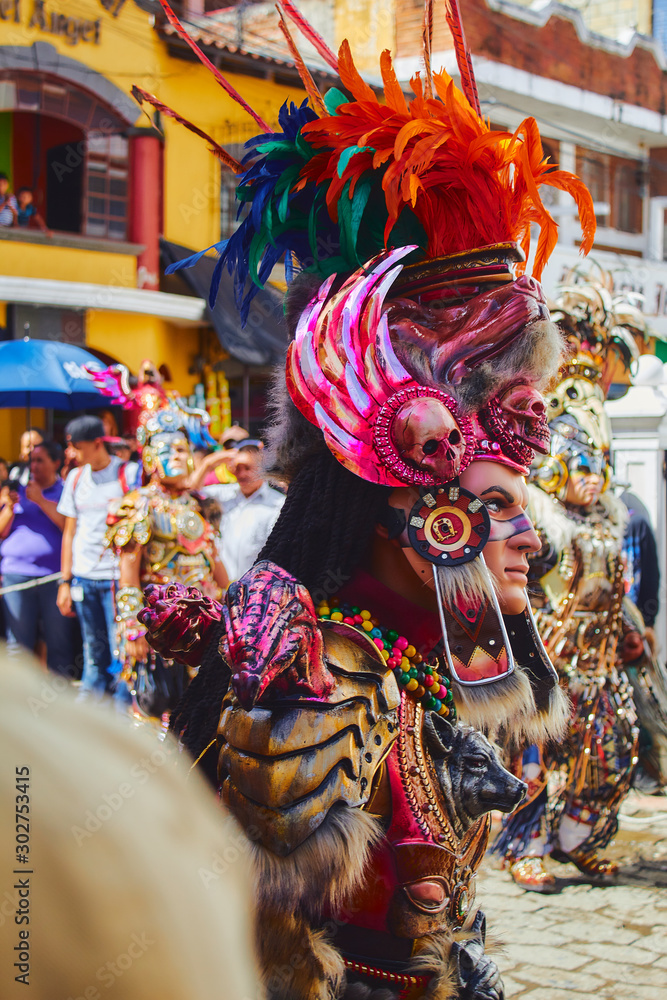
(333, 99)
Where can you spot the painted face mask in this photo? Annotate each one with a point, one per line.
(169, 454)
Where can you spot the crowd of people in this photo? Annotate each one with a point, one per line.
(61, 576)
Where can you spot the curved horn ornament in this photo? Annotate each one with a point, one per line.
(344, 376)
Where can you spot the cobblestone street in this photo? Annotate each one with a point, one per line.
(588, 941)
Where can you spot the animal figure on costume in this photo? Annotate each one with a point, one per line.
(588, 626)
(163, 534)
(343, 681)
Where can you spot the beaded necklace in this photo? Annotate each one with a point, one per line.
(422, 681)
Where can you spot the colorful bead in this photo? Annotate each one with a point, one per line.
(423, 682)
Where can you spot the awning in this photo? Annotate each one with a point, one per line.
(263, 341)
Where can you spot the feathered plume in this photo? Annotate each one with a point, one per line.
(349, 178)
(309, 32)
(225, 84)
(142, 96)
(463, 56)
(438, 161)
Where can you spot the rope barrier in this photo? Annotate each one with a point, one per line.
(29, 584)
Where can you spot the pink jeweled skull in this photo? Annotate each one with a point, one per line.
(518, 420)
(421, 436)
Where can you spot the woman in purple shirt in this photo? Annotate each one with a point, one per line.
(32, 531)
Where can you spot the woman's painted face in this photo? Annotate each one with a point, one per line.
(587, 479)
(171, 455)
(513, 537)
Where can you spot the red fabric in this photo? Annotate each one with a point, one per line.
(418, 625)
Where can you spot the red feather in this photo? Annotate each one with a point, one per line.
(309, 32)
(141, 95)
(303, 71)
(468, 186)
(463, 57)
(226, 86)
(393, 93)
(351, 77)
(427, 42)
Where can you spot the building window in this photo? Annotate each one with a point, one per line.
(627, 201)
(67, 146)
(106, 187)
(593, 168)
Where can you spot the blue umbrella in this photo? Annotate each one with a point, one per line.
(47, 373)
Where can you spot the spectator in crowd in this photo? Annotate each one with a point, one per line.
(4, 471)
(110, 423)
(8, 206)
(641, 553)
(27, 215)
(216, 466)
(88, 568)
(119, 447)
(20, 471)
(32, 531)
(250, 508)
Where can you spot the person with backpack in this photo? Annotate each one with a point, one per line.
(88, 569)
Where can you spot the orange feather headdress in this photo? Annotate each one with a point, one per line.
(351, 175)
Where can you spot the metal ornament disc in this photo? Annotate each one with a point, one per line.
(448, 525)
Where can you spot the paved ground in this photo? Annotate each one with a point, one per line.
(607, 942)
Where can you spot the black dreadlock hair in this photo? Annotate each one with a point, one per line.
(323, 533)
(326, 524)
(195, 719)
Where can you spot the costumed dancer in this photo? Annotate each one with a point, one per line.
(164, 534)
(336, 677)
(590, 629)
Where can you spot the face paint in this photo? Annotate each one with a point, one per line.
(171, 453)
(502, 530)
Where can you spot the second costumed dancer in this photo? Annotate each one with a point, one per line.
(592, 632)
(344, 682)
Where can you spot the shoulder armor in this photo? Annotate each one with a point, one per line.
(128, 520)
(286, 763)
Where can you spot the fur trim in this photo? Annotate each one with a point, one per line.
(467, 582)
(548, 515)
(550, 725)
(511, 708)
(617, 514)
(324, 870)
(534, 358)
(433, 959)
(296, 961)
(508, 702)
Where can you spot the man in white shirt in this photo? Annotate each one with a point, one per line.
(250, 508)
(87, 568)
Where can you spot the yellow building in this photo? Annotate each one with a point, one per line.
(121, 197)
